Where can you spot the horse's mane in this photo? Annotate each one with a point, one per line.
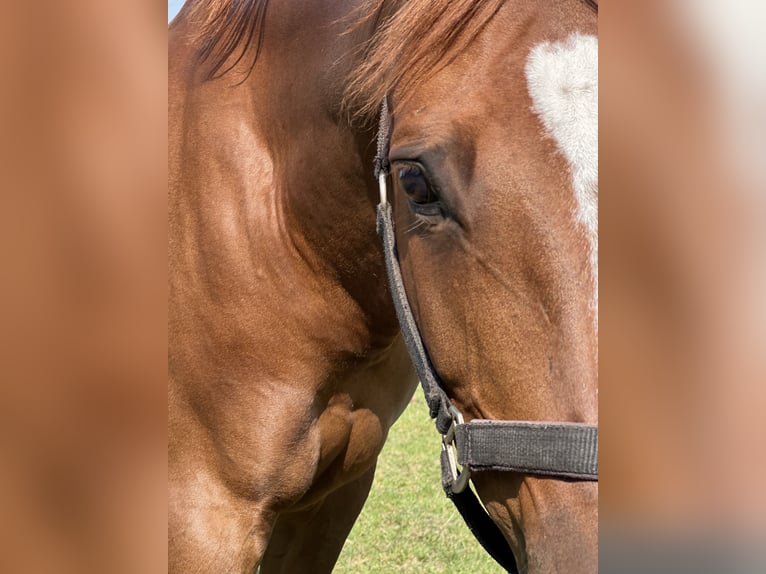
(225, 26)
(413, 40)
(406, 47)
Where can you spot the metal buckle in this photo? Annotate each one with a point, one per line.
(460, 477)
(382, 188)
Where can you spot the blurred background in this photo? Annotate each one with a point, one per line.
(682, 222)
(682, 281)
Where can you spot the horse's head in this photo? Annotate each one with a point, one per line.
(493, 155)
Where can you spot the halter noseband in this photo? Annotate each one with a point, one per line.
(556, 449)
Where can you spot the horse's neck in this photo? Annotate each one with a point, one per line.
(275, 196)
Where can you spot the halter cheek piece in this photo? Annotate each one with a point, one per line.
(556, 449)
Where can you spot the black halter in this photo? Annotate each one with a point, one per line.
(557, 449)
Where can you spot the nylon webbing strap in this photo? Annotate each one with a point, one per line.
(478, 521)
(382, 164)
(438, 403)
(476, 518)
(556, 449)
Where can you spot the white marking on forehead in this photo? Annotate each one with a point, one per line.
(562, 79)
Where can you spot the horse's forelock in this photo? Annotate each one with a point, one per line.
(409, 46)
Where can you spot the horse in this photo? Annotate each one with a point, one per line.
(286, 362)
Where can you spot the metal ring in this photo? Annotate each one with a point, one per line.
(382, 187)
(460, 477)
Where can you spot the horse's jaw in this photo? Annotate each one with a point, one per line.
(551, 524)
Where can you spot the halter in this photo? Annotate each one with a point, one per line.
(555, 449)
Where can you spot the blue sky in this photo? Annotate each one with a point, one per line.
(173, 7)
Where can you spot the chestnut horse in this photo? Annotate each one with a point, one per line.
(286, 362)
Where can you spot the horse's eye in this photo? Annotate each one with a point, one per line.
(415, 184)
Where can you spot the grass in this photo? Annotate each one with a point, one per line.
(407, 524)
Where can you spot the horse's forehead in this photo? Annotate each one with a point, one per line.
(562, 79)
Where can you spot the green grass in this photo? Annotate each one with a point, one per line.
(407, 524)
